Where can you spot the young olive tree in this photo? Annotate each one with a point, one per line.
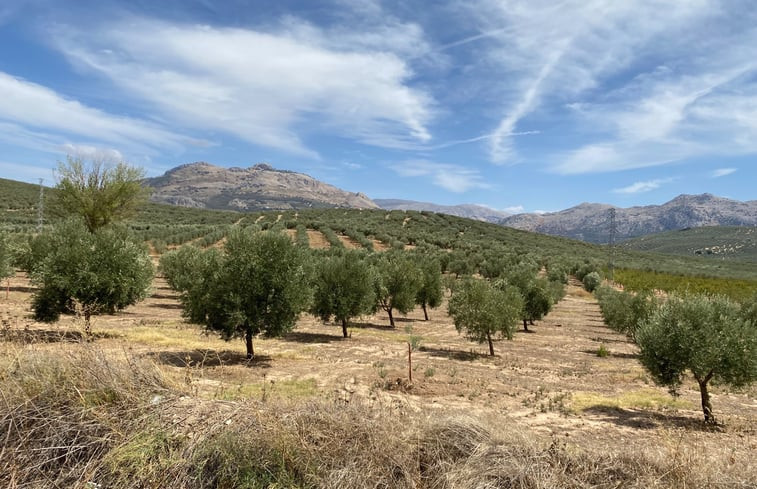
(430, 293)
(101, 272)
(99, 189)
(397, 284)
(194, 273)
(537, 301)
(6, 258)
(706, 335)
(344, 288)
(259, 285)
(483, 311)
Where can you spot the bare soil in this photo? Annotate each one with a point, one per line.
(550, 381)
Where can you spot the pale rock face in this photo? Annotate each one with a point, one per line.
(471, 211)
(590, 222)
(259, 187)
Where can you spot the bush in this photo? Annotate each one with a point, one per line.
(591, 281)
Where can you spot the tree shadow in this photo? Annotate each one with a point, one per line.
(20, 288)
(600, 339)
(209, 358)
(611, 354)
(166, 306)
(467, 356)
(641, 419)
(165, 296)
(30, 336)
(305, 337)
(367, 325)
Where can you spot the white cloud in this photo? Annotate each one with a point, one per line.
(267, 88)
(37, 117)
(647, 89)
(721, 172)
(454, 178)
(639, 187)
(92, 152)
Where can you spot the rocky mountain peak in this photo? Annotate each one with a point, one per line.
(260, 187)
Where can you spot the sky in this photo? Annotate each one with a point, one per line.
(522, 106)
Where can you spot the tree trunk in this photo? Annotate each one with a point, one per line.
(491, 345)
(425, 312)
(344, 327)
(409, 362)
(248, 344)
(87, 323)
(525, 325)
(391, 318)
(706, 404)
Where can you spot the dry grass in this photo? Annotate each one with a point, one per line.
(88, 418)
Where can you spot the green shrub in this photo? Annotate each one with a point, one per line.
(591, 281)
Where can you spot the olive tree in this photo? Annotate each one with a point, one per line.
(98, 189)
(483, 311)
(6, 258)
(430, 292)
(100, 272)
(706, 335)
(259, 285)
(195, 274)
(397, 283)
(344, 288)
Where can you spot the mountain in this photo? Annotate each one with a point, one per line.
(471, 211)
(590, 222)
(259, 187)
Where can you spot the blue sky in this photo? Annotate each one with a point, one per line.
(517, 105)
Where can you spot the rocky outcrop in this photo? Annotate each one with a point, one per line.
(260, 187)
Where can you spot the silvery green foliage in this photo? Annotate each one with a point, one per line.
(344, 288)
(591, 281)
(103, 271)
(259, 284)
(483, 312)
(6, 258)
(705, 335)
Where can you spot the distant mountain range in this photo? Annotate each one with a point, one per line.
(259, 187)
(471, 211)
(591, 222)
(262, 187)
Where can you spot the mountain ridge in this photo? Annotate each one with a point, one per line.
(259, 187)
(590, 221)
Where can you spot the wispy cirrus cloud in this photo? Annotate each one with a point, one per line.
(722, 172)
(268, 87)
(37, 117)
(455, 178)
(638, 88)
(640, 187)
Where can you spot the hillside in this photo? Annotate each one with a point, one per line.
(716, 242)
(174, 225)
(471, 211)
(590, 222)
(259, 187)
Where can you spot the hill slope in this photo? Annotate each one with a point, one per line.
(717, 242)
(590, 222)
(471, 211)
(256, 188)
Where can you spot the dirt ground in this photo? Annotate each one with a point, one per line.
(551, 380)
